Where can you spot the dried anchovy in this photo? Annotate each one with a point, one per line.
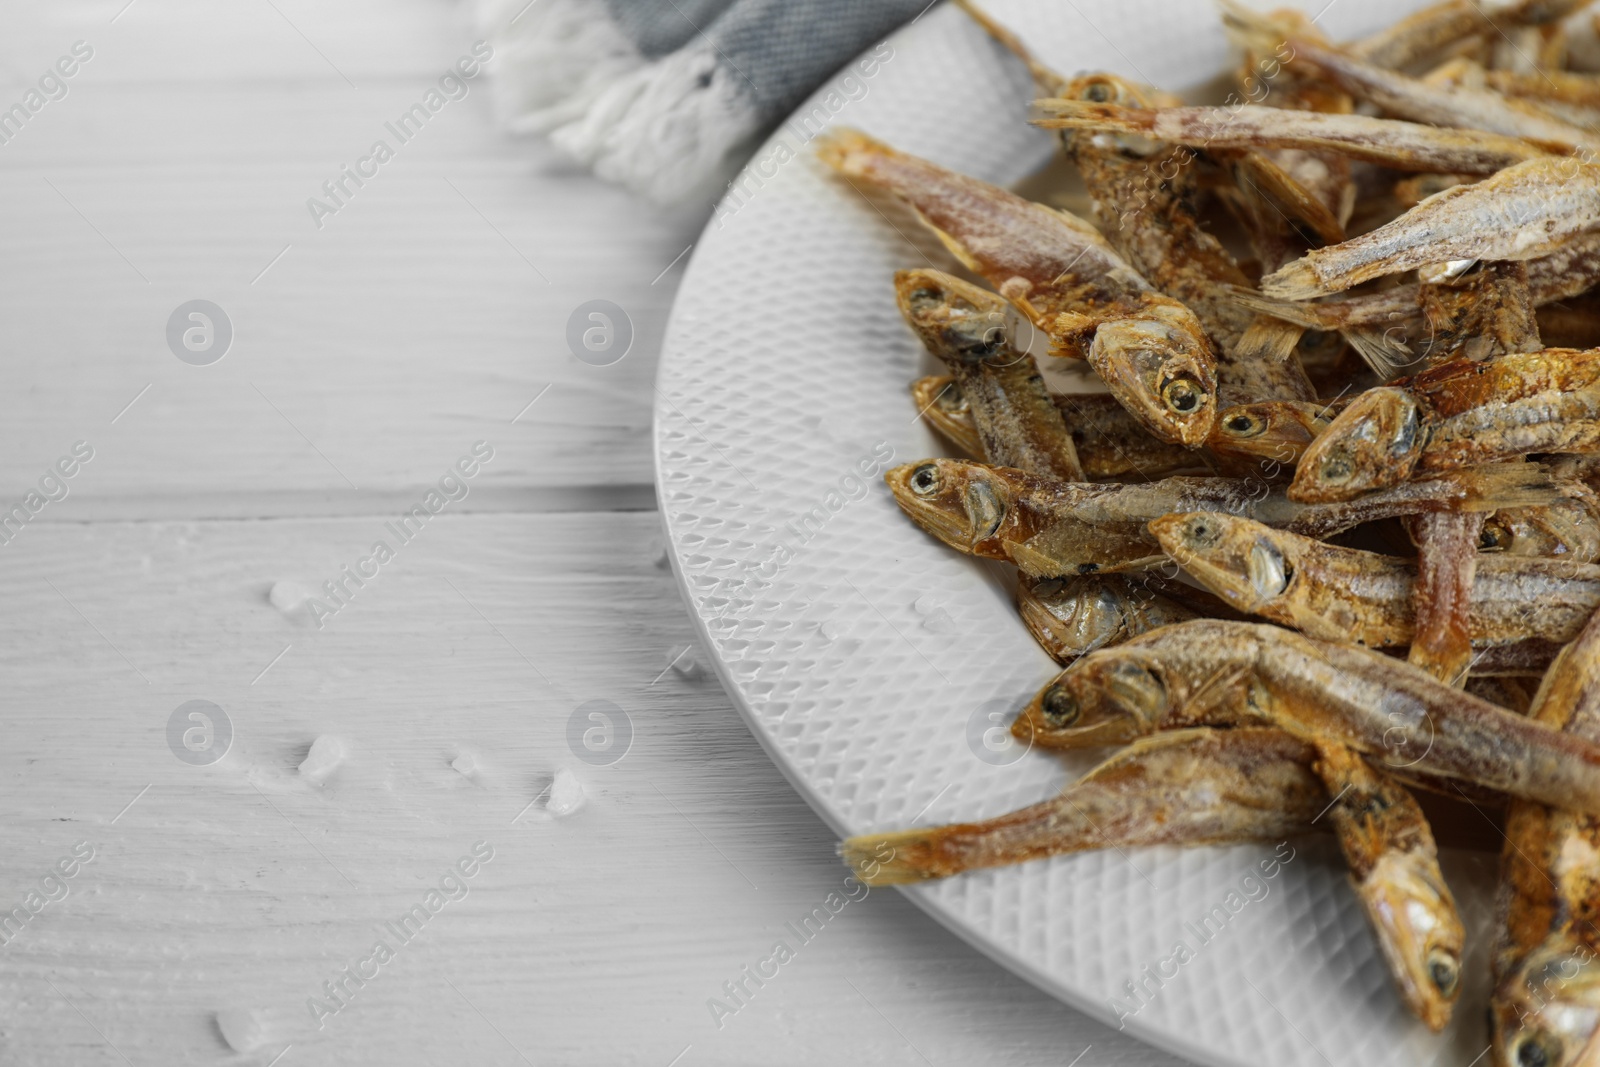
(1192, 787)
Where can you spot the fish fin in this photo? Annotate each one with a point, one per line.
(1034, 563)
(846, 150)
(1300, 314)
(1253, 31)
(1505, 485)
(1216, 693)
(1386, 356)
(899, 858)
(1280, 189)
(1047, 80)
(951, 245)
(1038, 556)
(1269, 338)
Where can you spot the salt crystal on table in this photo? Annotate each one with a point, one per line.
(687, 664)
(288, 597)
(244, 1029)
(566, 794)
(327, 752)
(465, 764)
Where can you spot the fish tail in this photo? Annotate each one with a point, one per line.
(1047, 80)
(1311, 316)
(1269, 339)
(1254, 31)
(1386, 356)
(851, 152)
(902, 857)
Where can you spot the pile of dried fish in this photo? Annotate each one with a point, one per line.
(1339, 504)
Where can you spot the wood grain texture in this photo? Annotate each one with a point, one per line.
(146, 187)
(377, 350)
(596, 938)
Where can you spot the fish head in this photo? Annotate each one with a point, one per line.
(1159, 363)
(1275, 432)
(947, 409)
(1546, 1013)
(962, 504)
(1108, 697)
(1245, 562)
(1418, 932)
(1567, 528)
(954, 319)
(1072, 617)
(1103, 88)
(1372, 444)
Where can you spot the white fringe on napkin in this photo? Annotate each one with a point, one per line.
(554, 59)
(664, 129)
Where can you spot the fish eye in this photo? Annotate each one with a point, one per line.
(1493, 538)
(924, 295)
(1097, 92)
(1060, 707)
(1445, 970)
(925, 480)
(1534, 1051)
(1243, 424)
(1203, 532)
(1337, 469)
(1182, 395)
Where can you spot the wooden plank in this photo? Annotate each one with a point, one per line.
(426, 314)
(597, 938)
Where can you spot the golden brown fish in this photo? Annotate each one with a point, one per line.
(1265, 439)
(942, 405)
(1441, 599)
(1071, 617)
(1479, 312)
(1425, 32)
(1392, 143)
(1149, 349)
(966, 328)
(1522, 212)
(1407, 97)
(1272, 436)
(1111, 444)
(1545, 1006)
(1058, 529)
(1394, 868)
(1187, 787)
(1144, 195)
(1214, 672)
(1567, 528)
(1566, 271)
(1346, 594)
(1457, 415)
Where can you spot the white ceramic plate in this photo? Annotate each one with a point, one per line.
(870, 661)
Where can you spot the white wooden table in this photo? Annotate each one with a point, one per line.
(367, 356)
